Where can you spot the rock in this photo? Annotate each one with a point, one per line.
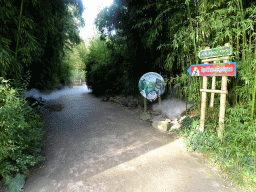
(63, 82)
(59, 87)
(161, 123)
(33, 102)
(132, 104)
(175, 124)
(105, 98)
(145, 116)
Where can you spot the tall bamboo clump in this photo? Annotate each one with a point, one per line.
(213, 24)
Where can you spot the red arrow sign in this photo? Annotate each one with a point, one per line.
(220, 69)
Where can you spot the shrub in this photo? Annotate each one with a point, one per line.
(20, 132)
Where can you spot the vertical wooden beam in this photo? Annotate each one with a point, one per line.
(222, 106)
(159, 100)
(213, 88)
(145, 104)
(203, 103)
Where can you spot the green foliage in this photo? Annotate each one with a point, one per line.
(103, 69)
(35, 35)
(76, 60)
(189, 123)
(15, 184)
(236, 154)
(20, 132)
(127, 45)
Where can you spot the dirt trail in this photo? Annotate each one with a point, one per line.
(95, 146)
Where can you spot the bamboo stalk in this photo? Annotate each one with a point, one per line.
(243, 27)
(253, 98)
(18, 35)
(192, 31)
(254, 89)
(186, 100)
(237, 44)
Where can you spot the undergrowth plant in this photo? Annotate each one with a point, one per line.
(236, 155)
(20, 132)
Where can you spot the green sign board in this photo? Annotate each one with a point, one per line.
(216, 52)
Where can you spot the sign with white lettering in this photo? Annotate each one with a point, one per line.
(219, 69)
(216, 52)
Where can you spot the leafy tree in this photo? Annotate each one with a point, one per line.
(76, 60)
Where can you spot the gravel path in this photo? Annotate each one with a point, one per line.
(96, 146)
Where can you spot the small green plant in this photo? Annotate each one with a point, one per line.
(187, 122)
(20, 133)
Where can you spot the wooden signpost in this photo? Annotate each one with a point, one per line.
(221, 69)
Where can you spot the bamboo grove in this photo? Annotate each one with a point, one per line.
(168, 35)
(34, 35)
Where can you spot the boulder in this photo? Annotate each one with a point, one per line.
(59, 86)
(175, 124)
(104, 98)
(161, 123)
(33, 102)
(145, 116)
(63, 82)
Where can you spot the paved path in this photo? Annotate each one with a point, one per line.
(95, 146)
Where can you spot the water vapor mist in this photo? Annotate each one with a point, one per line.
(172, 108)
(57, 93)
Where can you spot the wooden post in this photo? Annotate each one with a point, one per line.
(203, 104)
(222, 106)
(159, 100)
(145, 105)
(213, 88)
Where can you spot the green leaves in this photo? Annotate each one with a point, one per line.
(20, 132)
